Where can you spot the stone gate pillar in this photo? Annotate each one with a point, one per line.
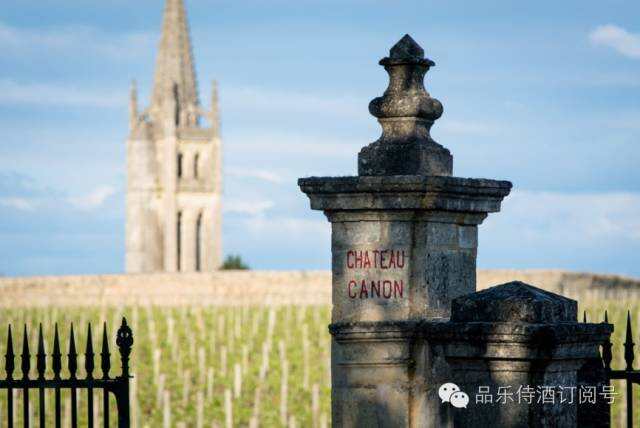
(523, 359)
(404, 239)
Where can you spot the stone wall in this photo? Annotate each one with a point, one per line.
(575, 285)
(261, 287)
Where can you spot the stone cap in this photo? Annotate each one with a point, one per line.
(405, 192)
(406, 51)
(514, 302)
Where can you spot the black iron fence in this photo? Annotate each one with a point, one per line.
(118, 386)
(628, 374)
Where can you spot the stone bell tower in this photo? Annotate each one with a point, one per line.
(173, 165)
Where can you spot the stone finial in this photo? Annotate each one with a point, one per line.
(406, 113)
(514, 302)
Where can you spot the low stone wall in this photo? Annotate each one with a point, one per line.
(576, 285)
(219, 288)
(261, 287)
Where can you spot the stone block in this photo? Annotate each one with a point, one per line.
(513, 337)
(371, 373)
(404, 158)
(514, 302)
(468, 237)
(447, 275)
(441, 235)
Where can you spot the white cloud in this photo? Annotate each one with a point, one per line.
(21, 204)
(252, 208)
(93, 199)
(75, 39)
(47, 94)
(571, 220)
(263, 175)
(617, 38)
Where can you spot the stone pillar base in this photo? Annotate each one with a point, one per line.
(372, 366)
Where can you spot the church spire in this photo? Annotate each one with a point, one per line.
(215, 112)
(175, 76)
(133, 105)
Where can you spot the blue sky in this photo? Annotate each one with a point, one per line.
(545, 94)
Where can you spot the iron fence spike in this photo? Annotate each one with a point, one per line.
(88, 360)
(9, 356)
(56, 356)
(25, 357)
(41, 361)
(105, 360)
(73, 354)
(628, 344)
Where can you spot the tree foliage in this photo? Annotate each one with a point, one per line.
(234, 262)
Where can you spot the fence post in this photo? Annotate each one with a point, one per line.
(404, 238)
(124, 340)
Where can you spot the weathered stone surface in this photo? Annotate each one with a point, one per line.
(406, 113)
(536, 341)
(431, 221)
(517, 336)
(514, 302)
(372, 385)
(368, 285)
(404, 157)
(405, 192)
(401, 183)
(413, 358)
(391, 266)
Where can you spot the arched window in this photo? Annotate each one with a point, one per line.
(179, 241)
(199, 243)
(179, 165)
(176, 98)
(196, 161)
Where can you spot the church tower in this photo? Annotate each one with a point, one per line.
(173, 164)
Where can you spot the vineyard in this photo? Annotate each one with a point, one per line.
(212, 366)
